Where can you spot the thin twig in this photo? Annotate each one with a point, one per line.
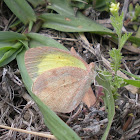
(29, 132)
(87, 46)
(125, 7)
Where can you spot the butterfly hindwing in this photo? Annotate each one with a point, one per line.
(62, 89)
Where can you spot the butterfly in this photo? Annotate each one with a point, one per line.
(61, 79)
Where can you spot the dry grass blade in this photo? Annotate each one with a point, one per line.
(29, 132)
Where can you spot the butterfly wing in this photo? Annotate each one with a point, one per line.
(89, 98)
(62, 89)
(41, 59)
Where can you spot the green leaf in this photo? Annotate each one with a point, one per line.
(22, 10)
(117, 23)
(35, 3)
(9, 53)
(117, 82)
(62, 7)
(3, 44)
(102, 5)
(68, 21)
(130, 74)
(10, 36)
(53, 122)
(116, 57)
(4, 49)
(80, 4)
(135, 39)
(123, 39)
(40, 40)
(135, 83)
(108, 100)
(72, 24)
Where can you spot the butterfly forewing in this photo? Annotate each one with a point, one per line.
(41, 59)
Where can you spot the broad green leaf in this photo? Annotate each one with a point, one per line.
(81, 4)
(77, 22)
(22, 10)
(108, 100)
(10, 36)
(135, 83)
(3, 44)
(40, 40)
(102, 5)
(8, 53)
(62, 7)
(35, 3)
(72, 24)
(135, 40)
(53, 122)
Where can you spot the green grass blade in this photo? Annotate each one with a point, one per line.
(40, 40)
(108, 100)
(10, 36)
(7, 54)
(135, 83)
(53, 122)
(22, 10)
(35, 3)
(4, 49)
(3, 44)
(130, 74)
(135, 40)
